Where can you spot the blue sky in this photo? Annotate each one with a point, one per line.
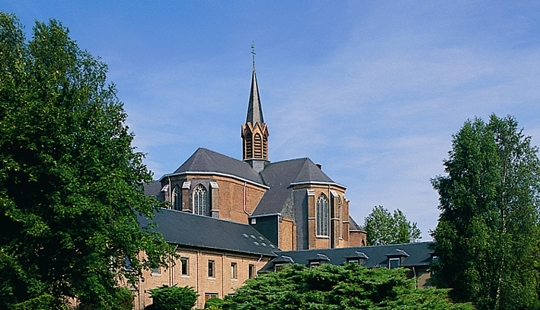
(372, 90)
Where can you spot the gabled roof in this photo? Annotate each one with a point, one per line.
(207, 161)
(280, 175)
(186, 229)
(419, 254)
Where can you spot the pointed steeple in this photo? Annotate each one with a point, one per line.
(254, 113)
(254, 131)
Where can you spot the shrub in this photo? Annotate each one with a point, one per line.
(213, 303)
(173, 298)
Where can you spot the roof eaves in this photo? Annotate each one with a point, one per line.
(214, 173)
(272, 254)
(263, 215)
(318, 183)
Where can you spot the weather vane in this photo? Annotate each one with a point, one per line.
(253, 52)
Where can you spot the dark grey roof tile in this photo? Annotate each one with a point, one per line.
(192, 230)
(207, 161)
(419, 254)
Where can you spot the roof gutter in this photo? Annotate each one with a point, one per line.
(214, 173)
(318, 183)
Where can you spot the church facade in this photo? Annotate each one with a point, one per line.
(292, 203)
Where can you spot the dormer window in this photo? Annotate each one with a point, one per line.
(357, 258)
(394, 262)
(282, 261)
(318, 260)
(395, 259)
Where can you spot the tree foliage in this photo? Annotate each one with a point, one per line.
(70, 181)
(382, 227)
(173, 298)
(487, 235)
(331, 287)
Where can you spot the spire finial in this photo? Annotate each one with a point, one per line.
(253, 53)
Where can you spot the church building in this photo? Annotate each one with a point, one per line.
(292, 203)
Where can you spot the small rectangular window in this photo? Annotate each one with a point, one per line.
(314, 264)
(210, 268)
(210, 295)
(251, 271)
(393, 263)
(156, 271)
(233, 270)
(185, 266)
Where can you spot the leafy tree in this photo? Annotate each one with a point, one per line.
(70, 181)
(213, 303)
(331, 287)
(382, 227)
(173, 298)
(488, 231)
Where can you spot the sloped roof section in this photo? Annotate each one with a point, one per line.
(419, 254)
(207, 161)
(279, 176)
(152, 189)
(254, 113)
(186, 229)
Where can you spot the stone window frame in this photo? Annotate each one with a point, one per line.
(184, 261)
(211, 269)
(201, 200)
(322, 216)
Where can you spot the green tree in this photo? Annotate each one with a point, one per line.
(487, 235)
(331, 287)
(173, 298)
(382, 227)
(70, 181)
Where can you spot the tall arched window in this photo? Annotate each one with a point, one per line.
(323, 215)
(177, 198)
(340, 217)
(201, 205)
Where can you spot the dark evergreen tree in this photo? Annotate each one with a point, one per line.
(70, 181)
(488, 231)
(331, 287)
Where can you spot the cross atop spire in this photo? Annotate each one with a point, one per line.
(253, 53)
(254, 113)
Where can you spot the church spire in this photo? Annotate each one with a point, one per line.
(254, 131)
(254, 113)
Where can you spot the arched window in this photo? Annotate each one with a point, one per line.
(201, 205)
(323, 215)
(177, 198)
(340, 216)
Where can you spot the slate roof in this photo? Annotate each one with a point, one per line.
(280, 175)
(353, 225)
(419, 254)
(152, 189)
(207, 161)
(254, 113)
(186, 229)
